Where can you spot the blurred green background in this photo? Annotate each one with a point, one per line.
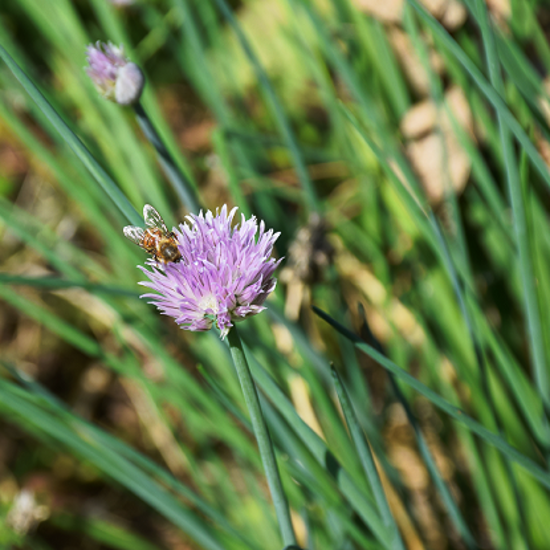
(402, 151)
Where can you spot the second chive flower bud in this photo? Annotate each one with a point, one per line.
(115, 77)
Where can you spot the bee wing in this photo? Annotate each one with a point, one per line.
(153, 219)
(134, 233)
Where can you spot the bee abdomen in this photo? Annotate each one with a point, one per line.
(169, 252)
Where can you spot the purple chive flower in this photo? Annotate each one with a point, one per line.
(224, 276)
(115, 77)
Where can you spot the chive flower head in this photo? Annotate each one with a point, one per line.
(224, 275)
(115, 77)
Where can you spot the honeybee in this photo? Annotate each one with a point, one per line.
(155, 239)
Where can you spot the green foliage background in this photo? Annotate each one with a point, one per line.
(131, 433)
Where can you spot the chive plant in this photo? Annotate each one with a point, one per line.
(394, 392)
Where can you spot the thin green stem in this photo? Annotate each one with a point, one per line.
(262, 437)
(367, 462)
(526, 267)
(522, 238)
(443, 489)
(493, 439)
(181, 185)
(281, 119)
(73, 141)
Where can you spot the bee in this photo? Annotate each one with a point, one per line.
(155, 239)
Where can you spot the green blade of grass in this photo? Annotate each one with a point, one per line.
(308, 470)
(433, 235)
(52, 321)
(490, 93)
(54, 283)
(535, 332)
(107, 441)
(367, 461)
(192, 56)
(97, 209)
(74, 142)
(44, 246)
(181, 389)
(310, 194)
(522, 238)
(496, 441)
(318, 448)
(17, 404)
(427, 456)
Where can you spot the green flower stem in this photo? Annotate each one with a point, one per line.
(180, 183)
(262, 437)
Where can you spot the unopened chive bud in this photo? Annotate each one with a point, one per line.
(115, 77)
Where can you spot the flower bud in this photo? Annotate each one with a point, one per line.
(114, 76)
